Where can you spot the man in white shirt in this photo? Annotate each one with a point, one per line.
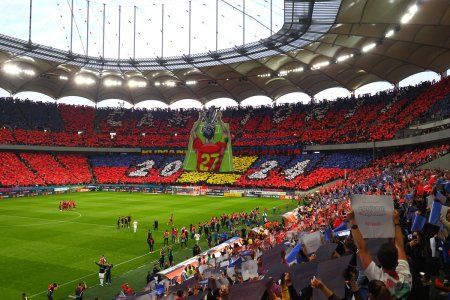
(394, 270)
(135, 224)
(197, 238)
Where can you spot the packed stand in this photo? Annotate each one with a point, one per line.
(303, 171)
(311, 257)
(49, 169)
(78, 167)
(264, 130)
(14, 172)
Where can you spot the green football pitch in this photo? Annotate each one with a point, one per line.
(41, 245)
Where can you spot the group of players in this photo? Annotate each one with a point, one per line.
(214, 225)
(124, 222)
(66, 205)
(211, 229)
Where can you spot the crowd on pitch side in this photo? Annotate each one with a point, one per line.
(408, 265)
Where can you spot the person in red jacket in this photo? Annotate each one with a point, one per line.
(50, 289)
(166, 238)
(127, 290)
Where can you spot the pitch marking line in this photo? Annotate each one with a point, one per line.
(39, 224)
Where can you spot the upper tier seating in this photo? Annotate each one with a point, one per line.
(6, 136)
(77, 118)
(264, 130)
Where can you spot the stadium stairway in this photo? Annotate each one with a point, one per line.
(91, 170)
(29, 167)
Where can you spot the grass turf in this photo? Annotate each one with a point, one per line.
(41, 245)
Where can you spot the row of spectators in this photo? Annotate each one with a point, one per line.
(366, 118)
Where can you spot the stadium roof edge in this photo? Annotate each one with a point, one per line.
(363, 42)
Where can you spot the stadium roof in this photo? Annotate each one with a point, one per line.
(322, 44)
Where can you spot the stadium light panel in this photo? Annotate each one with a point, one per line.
(287, 72)
(137, 83)
(320, 65)
(389, 33)
(11, 69)
(112, 82)
(28, 72)
(63, 77)
(343, 58)
(409, 14)
(191, 82)
(369, 47)
(82, 80)
(15, 70)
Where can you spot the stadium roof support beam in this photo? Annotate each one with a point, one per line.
(332, 28)
(297, 25)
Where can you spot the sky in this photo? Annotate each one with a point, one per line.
(51, 25)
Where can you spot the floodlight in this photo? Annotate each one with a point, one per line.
(83, 80)
(389, 33)
(369, 47)
(409, 14)
(137, 83)
(112, 82)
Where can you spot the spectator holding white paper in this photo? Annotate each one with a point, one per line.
(394, 271)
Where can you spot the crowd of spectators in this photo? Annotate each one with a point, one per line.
(298, 172)
(302, 171)
(13, 172)
(277, 129)
(46, 167)
(273, 262)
